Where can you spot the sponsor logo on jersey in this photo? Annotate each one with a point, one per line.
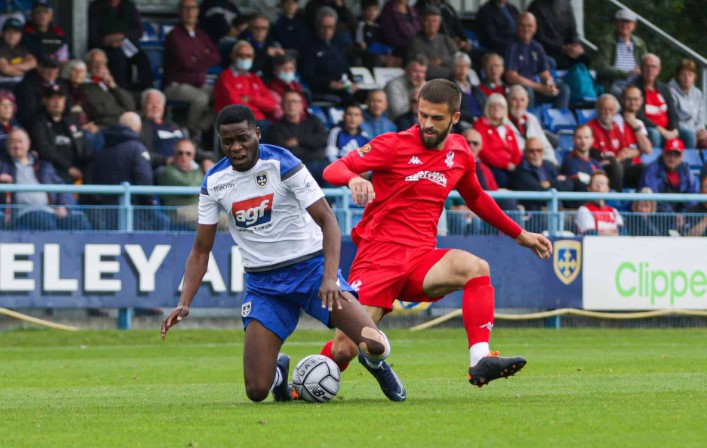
(363, 150)
(567, 260)
(450, 159)
(245, 309)
(261, 179)
(414, 160)
(253, 212)
(223, 187)
(433, 176)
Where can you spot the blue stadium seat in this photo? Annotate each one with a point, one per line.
(321, 114)
(585, 115)
(560, 119)
(566, 140)
(693, 158)
(336, 115)
(560, 154)
(653, 156)
(155, 53)
(471, 35)
(539, 112)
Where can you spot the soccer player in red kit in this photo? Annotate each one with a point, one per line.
(412, 174)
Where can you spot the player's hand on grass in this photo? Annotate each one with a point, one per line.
(541, 246)
(330, 295)
(361, 191)
(174, 318)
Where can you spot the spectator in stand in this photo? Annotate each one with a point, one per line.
(399, 89)
(105, 100)
(578, 165)
(345, 24)
(557, 31)
(264, 45)
(370, 49)
(400, 23)
(500, 147)
(291, 29)
(525, 124)
(696, 220)
(188, 55)
(621, 160)
(658, 112)
(115, 27)
(58, 138)
(669, 174)
(39, 210)
(409, 118)
(527, 65)
(29, 91)
(237, 85)
(497, 21)
(618, 61)
(216, 18)
(375, 121)
(323, 65)
(689, 103)
(634, 130)
(472, 97)
(15, 59)
(8, 122)
(493, 67)
(643, 221)
(595, 217)
(42, 37)
(348, 135)
(451, 24)
(284, 80)
(74, 75)
(304, 135)
(439, 48)
(537, 174)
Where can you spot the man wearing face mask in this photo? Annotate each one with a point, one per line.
(236, 85)
(285, 80)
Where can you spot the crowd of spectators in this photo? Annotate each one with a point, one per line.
(103, 117)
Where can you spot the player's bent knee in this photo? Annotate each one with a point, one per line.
(257, 392)
(466, 266)
(373, 343)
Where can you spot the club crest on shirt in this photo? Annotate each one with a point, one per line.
(245, 309)
(363, 150)
(450, 159)
(261, 179)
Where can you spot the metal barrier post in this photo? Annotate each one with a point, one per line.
(553, 322)
(553, 209)
(125, 315)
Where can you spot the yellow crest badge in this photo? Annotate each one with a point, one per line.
(567, 260)
(411, 306)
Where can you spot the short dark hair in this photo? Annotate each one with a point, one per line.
(282, 59)
(368, 3)
(235, 113)
(351, 104)
(431, 10)
(440, 91)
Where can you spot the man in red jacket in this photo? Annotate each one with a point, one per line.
(397, 258)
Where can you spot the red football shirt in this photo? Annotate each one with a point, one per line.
(607, 141)
(656, 108)
(411, 184)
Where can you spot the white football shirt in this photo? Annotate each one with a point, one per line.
(266, 207)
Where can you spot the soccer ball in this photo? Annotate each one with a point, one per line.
(316, 379)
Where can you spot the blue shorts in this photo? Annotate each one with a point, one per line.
(274, 298)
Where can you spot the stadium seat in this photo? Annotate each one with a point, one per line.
(336, 114)
(321, 114)
(155, 53)
(471, 35)
(384, 74)
(539, 112)
(653, 156)
(364, 78)
(560, 155)
(585, 115)
(693, 158)
(149, 33)
(560, 119)
(566, 140)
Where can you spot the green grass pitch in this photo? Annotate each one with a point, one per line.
(581, 387)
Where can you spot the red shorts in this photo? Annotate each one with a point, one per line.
(383, 272)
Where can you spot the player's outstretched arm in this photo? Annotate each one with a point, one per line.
(329, 292)
(541, 246)
(197, 264)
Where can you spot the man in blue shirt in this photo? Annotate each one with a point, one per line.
(375, 122)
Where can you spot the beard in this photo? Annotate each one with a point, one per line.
(433, 142)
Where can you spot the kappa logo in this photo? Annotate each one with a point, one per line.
(567, 260)
(487, 325)
(414, 160)
(253, 212)
(245, 309)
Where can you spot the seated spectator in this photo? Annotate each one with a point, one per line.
(472, 97)
(285, 79)
(188, 55)
(658, 112)
(634, 130)
(527, 125)
(400, 23)
(126, 159)
(304, 135)
(291, 29)
(493, 67)
(264, 45)
(557, 31)
(8, 122)
(115, 27)
(42, 37)
(216, 18)
(621, 161)
(578, 165)
(643, 221)
(500, 146)
(370, 50)
(527, 65)
(497, 21)
(237, 85)
(375, 121)
(345, 24)
(398, 89)
(409, 118)
(39, 210)
(595, 217)
(29, 91)
(669, 174)
(689, 103)
(696, 219)
(105, 100)
(347, 135)
(438, 48)
(74, 76)
(451, 24)
(15, 59)
(58, 138)
(323, 64)
(618, 61)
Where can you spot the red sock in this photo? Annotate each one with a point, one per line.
(477, 309)
(326, 351)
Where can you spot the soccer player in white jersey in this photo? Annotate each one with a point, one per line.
(290, 242)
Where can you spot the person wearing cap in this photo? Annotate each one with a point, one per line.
(29, 90)
(669, 174)
(15, 58)
(439, 48)
(42, 37)
(58, 137)
(620, 53)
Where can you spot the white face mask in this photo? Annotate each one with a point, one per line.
(287, 77)
(244, 64)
